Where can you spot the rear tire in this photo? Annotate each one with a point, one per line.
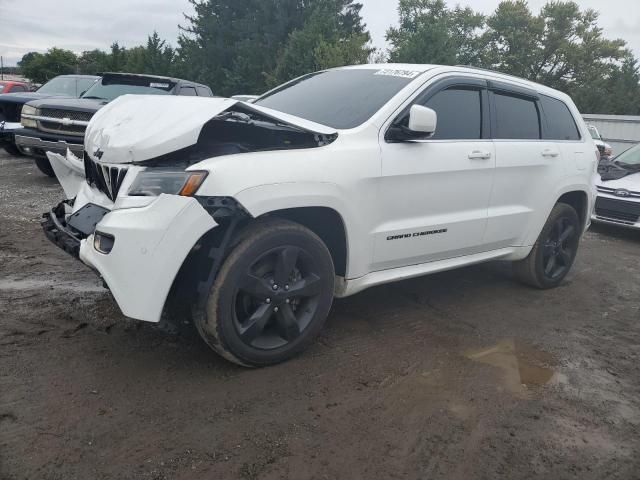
(552, 256)
(272, 295)
(44, 166)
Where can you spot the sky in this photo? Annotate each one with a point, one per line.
(78, 25)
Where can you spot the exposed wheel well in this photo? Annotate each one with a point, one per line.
(327, 224)
(578, 200)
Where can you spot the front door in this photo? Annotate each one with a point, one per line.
(434, 194)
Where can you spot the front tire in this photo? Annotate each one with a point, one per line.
(44, 166)
(272, 295)
(554, 252)
(12, 149)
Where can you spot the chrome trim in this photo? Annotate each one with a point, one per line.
(63, 121)
(56, 147)
(612, 191)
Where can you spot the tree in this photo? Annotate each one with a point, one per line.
(237, 46)
(158, 56)
(430, 32)
(117, 58)
(333, 35)
(92, 62)
(40, 68)
(562, 47)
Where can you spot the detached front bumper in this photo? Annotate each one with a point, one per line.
(40, 142)
(150, 245)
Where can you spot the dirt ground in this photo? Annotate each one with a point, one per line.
(460, 375)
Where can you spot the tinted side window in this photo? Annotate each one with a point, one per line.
(517, 118)
(188, 91)
(459, 114)
(203, 92)
(561, 124)
(18, 88)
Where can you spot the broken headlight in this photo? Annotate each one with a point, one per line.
(151, 183)
(28, 111)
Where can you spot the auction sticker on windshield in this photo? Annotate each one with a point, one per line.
(398, 73)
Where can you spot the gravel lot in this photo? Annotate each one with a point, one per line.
(460, 375)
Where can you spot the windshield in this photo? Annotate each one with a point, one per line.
(342, 98)
(111, 89)
(60, 86)
(630, 158)
(594, 133)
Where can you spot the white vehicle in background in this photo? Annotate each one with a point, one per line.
(606, 152)
(255, 215)
(618, 199)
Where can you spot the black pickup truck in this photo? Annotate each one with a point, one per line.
(55, 125)
(68, 86)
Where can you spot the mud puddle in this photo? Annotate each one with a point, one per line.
(524, 368)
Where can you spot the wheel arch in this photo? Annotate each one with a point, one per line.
(579, 200)
(327, 224)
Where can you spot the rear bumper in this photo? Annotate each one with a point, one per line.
(42, 142)
(150, 245)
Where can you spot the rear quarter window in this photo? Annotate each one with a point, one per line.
(517, 117)
(560, 122)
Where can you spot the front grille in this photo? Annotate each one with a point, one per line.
(628, 212)
(70, 114)
(612, 191)
(107, 179)
(55, 127)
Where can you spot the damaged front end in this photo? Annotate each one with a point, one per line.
(132, 211)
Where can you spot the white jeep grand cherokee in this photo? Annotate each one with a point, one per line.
(254, 216)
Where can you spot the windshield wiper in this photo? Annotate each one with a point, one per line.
(95, 98)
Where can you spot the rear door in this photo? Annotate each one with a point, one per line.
(434, 193)
(527, 165)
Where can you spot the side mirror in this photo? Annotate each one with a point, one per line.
(423, 120)
(421, 124)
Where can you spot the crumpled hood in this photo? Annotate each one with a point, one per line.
(137, 128)
(630, 182)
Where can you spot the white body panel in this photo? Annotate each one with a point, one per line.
(151, 244)
(488, 206)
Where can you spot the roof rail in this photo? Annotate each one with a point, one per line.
(494, 71)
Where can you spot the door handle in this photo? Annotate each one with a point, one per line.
(479, 155)
(548, 152)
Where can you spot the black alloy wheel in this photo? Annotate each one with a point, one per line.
(271, 296)
(277, 298)
(553, 255)
(558, 250)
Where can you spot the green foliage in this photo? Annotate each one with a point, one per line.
(43, 67)
(561, 47)
(245, 46)
(92, 62)
(248, 46)
(430, 32)
(332, 36)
